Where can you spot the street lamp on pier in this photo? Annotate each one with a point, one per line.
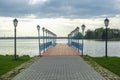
(77, 38)
(38, 28)
(43, 40)
(15, 22)
(46, 37)
(83, 28)
(106, 21)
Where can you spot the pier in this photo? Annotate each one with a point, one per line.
(59, 61)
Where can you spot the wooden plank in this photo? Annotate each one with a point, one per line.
(61, 50)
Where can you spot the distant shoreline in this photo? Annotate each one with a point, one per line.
(118, 39)
(29, 37)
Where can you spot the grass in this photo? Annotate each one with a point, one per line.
(111, 63)
(7, 62)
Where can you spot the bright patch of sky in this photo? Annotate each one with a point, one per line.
(60, 26)
(33, 2)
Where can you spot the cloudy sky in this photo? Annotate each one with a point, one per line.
(59, 16)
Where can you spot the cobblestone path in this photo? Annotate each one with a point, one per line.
(60, 67)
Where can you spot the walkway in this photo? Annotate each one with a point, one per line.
(61, 50)
(59, 68)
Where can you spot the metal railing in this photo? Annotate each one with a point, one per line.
(48, 40)
(73, 40)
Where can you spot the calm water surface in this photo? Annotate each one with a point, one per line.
(30, 47)
(97, 48)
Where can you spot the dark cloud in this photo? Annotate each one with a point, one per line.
(14, 7)
(59, 8)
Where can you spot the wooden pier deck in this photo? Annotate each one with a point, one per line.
(61, 50)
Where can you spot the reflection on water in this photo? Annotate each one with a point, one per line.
(30, 47)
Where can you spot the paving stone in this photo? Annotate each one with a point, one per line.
(59, 68)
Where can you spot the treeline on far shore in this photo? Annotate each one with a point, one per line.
(100, 34)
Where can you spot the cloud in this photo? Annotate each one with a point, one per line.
(59, 8)
(12, 8)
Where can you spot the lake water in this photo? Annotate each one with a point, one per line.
(30, 47)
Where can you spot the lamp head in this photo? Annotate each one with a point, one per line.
(83, 27)
(15, 22)
(43, 29)
(46, 30)
(38, 27)
(106, 21)
(77, 28)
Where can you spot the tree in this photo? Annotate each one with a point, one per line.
(98, 33)
(90, 34)
(78, 35)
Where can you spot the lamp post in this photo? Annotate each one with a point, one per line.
(69, 39)
(43, 39)
(38, 28)
(15, 22)
(83, 28)
(77, 32)
(52, 38)
(46, 38)
(106, 21)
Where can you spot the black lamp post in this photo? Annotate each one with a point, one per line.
(106, 21)
(52, 38)
(77, 38)
(46, 37)
(15, 22)
(83, 28)
(69, 39)
(38, 28)
(43, 39)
